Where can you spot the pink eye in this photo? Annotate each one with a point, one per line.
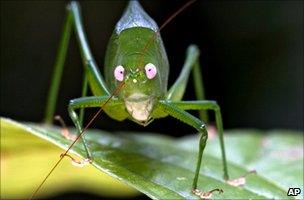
(119, 73)
(150, 70)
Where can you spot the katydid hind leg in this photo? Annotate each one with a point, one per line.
(198, 85)
(177, 90)
(58, 69)
(97, 84)
(95, 79)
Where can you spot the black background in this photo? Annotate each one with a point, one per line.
(251, 58)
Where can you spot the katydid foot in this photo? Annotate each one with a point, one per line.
(241, 181)
(206, 195)
(76, 162)
(237, 182)
(72, 137)
(64, 130)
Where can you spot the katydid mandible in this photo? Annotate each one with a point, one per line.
(135, 80)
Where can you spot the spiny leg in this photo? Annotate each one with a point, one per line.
(174, 111)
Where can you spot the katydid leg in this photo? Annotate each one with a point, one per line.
(177, 90)
(81, 115)
(209, 105)
(193, 121)
(212, 105)
(58, 69)
(83, 94)
(91, 72)
(65, 132)
(96, 82)
(199, 88)
(81, 103)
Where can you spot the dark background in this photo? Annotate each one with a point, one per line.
(251, 58)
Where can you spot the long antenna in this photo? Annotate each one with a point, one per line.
(152, 38)
(119, 87)
(175, 14)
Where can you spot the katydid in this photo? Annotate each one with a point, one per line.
(135, 80)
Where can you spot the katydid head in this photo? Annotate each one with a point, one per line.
(140, 89)
(136, 56)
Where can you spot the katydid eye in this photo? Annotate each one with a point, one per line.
(119, 73)
(150, 70)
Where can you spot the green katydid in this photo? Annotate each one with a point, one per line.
(135, 86)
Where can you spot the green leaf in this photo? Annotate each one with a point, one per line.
(26, 159)
(163, 167)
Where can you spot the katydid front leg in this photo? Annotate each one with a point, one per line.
(174, 111)
(176, 93)
(209, 105)
(86, 102)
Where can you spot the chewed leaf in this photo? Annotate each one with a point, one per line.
(163, 168)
